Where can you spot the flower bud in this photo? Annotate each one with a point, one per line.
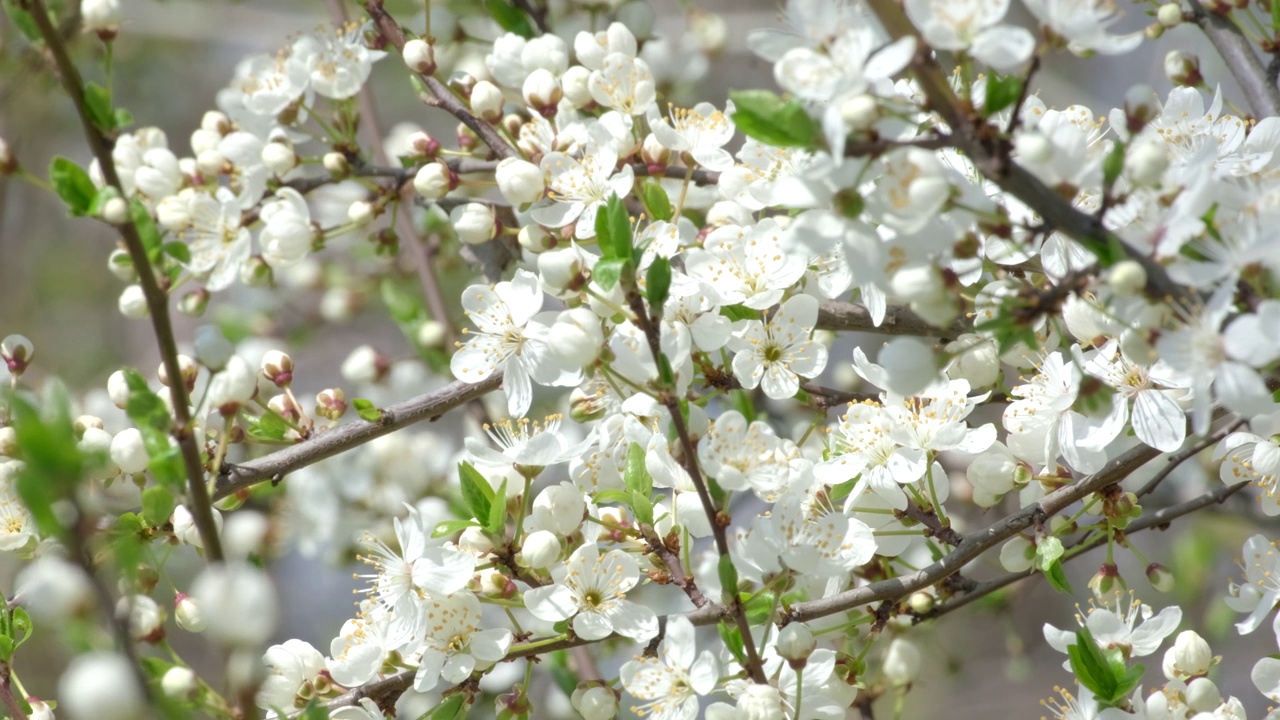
(487, 101)
(279, 158)
(1127, 278)
(365, 366)
(17, 352)
(434, 180)
(186, 612)
(475, 223)
(83, 423)
(1203, 696)
(562, 270)
(143, 616)
(54, 589)
(1183, 68)
(585, 408)
(574, 83)
(100, 16)
(419, 56)
(997, 470)
(761, 702)
(909, 363)
(1169, 14)
(336, 163)
(212, 349)
(474, 539)
(1107, 584)
(121, 265)
(233, 387)
(277, 367)
(901, 662)
(100, 686)
(431, 334)
(331, 403)
(187, 367)
(9, 441)
(595, 702)
(1141, 106)
(179, 683)
(8, 163)
(1033, 147)
(535, 239)
(128, 452)
(211, 163)
(860, 112)
(1159, 577)
(575, 338)
(796, 643)
(40, 710)
(239, 603)
(540, 550)
(542, 92)
(424, 145)
(118, 389)
(1189, 657)
(360, 212)
(655, 155)
(921, 603)
(247, 533)
(115, 211)
(520, 181)
(194, 303)
(133, 303)
(1145, 163)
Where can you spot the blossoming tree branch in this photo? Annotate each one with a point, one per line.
(701, 407)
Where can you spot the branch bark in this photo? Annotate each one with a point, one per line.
(1245, 65)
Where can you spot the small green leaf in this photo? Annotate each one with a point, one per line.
(73, 185)
(22, 20)
(123, 118)
(404, 306)
(268, 427)
(762, 115)
(613, 229)
(758, 608)
(477, 493)
(315, 710)
(637, 475)
(1048, 550)
(656, 201)
(510, 18)
(739, 312)
(22, 626)
(621, 497)
(565, 679)
(146, 229)
(178, 251)
(642, 506)
(728, 576)
(733, 641)
(607, 273)
(7, 646)
(1057, 577)
(366, 410)
(1002, 91)
(157, 504)
(97, 102)
(497, 518)
(449, 527)
(1113, 164)
(657, 283)
(453, 708)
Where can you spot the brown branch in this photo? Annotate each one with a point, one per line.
(933, 524)
(1159, 520)
(157, 299)
(321, 445)
(1176, 459)
(675, 568)
(1245, 66)
(437, 94)
(836, 315)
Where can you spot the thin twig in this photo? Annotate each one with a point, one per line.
(836, 315)
(1245, 66)
(157, 299)
(321, 445)
(1173, 461)
(675, 568)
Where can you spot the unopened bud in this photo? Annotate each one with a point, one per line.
(535, 238)
(279, 158)
(1159, 577)
(257, 272)
(180, 683)
(431, 334)
(1169, 14)
(921, 603)
(860, 112)
(337, 165)
(795, 644)
(1127, 278)
(424, 145)
(360, 212)
(419, 56)
(542, 92)
(901, 662)
(434, 180)
(133, 303)
(115, 211)
(474, 223)
(187, 614)
(277, 367)
(331, 404)
(194, 303)
(595, 702)
(1189, 657)
(187, 367)
(17, 351)
(1183, 68)
(1141, 106)
(487, 101)
(365, 366)
(1107, 584)
(540, 550)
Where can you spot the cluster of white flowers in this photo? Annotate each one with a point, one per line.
(1062, 291)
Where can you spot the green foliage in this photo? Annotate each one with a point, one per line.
(1104, 673)
(613, 230)
(608, 272)
(1002, 92)
(73, 185)
(657, 284)
(764, 116)
(366, 410)
(510, 18)
(656, 201)
(477, 493)
(47, 442)
(148, 412)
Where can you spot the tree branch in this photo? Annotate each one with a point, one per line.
(276, 465)
(1176, 459)
(836, 315)
(157, 300)
(1237, 52)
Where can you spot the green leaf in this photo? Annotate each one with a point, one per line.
(510, 18)
(22, 626)
(607, 273)
(637, 475)
(565, 679)
(404, 306)
(1002, 91)
(762, 115)
(7, 646)
(268, 426)
(642, 506)
(477, 493)
(1096, 671)
(497, 518)
(146, 229)
(449, 527)
(613, 229)
(739, 312)
(53, 464)
(22, 20)
(656, 201)
(126, 542)
(657, 283)
(1057, 577)
(733, 641)
(665, 373)
(73, 185)
(1129, 681)
(315, 710)
(728, 576)
(453, 708)
(741, 401)
(621, 497)
(1048, 550)
(1113, 164)
(366, 410)
(178, 251)
(758, 608)
(157, 504)
(97, 102)
(123, 118)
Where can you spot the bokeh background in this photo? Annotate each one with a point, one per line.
(172, 57)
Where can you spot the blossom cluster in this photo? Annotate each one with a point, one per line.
(681, 438)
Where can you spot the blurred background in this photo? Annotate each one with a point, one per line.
(172, 58)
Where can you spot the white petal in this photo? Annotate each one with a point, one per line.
(1158, 421)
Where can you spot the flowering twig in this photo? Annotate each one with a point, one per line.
(675, 568)
(157, 300)
(1245, 66)
(1173, 461)
(438, 95)
(275, 466)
